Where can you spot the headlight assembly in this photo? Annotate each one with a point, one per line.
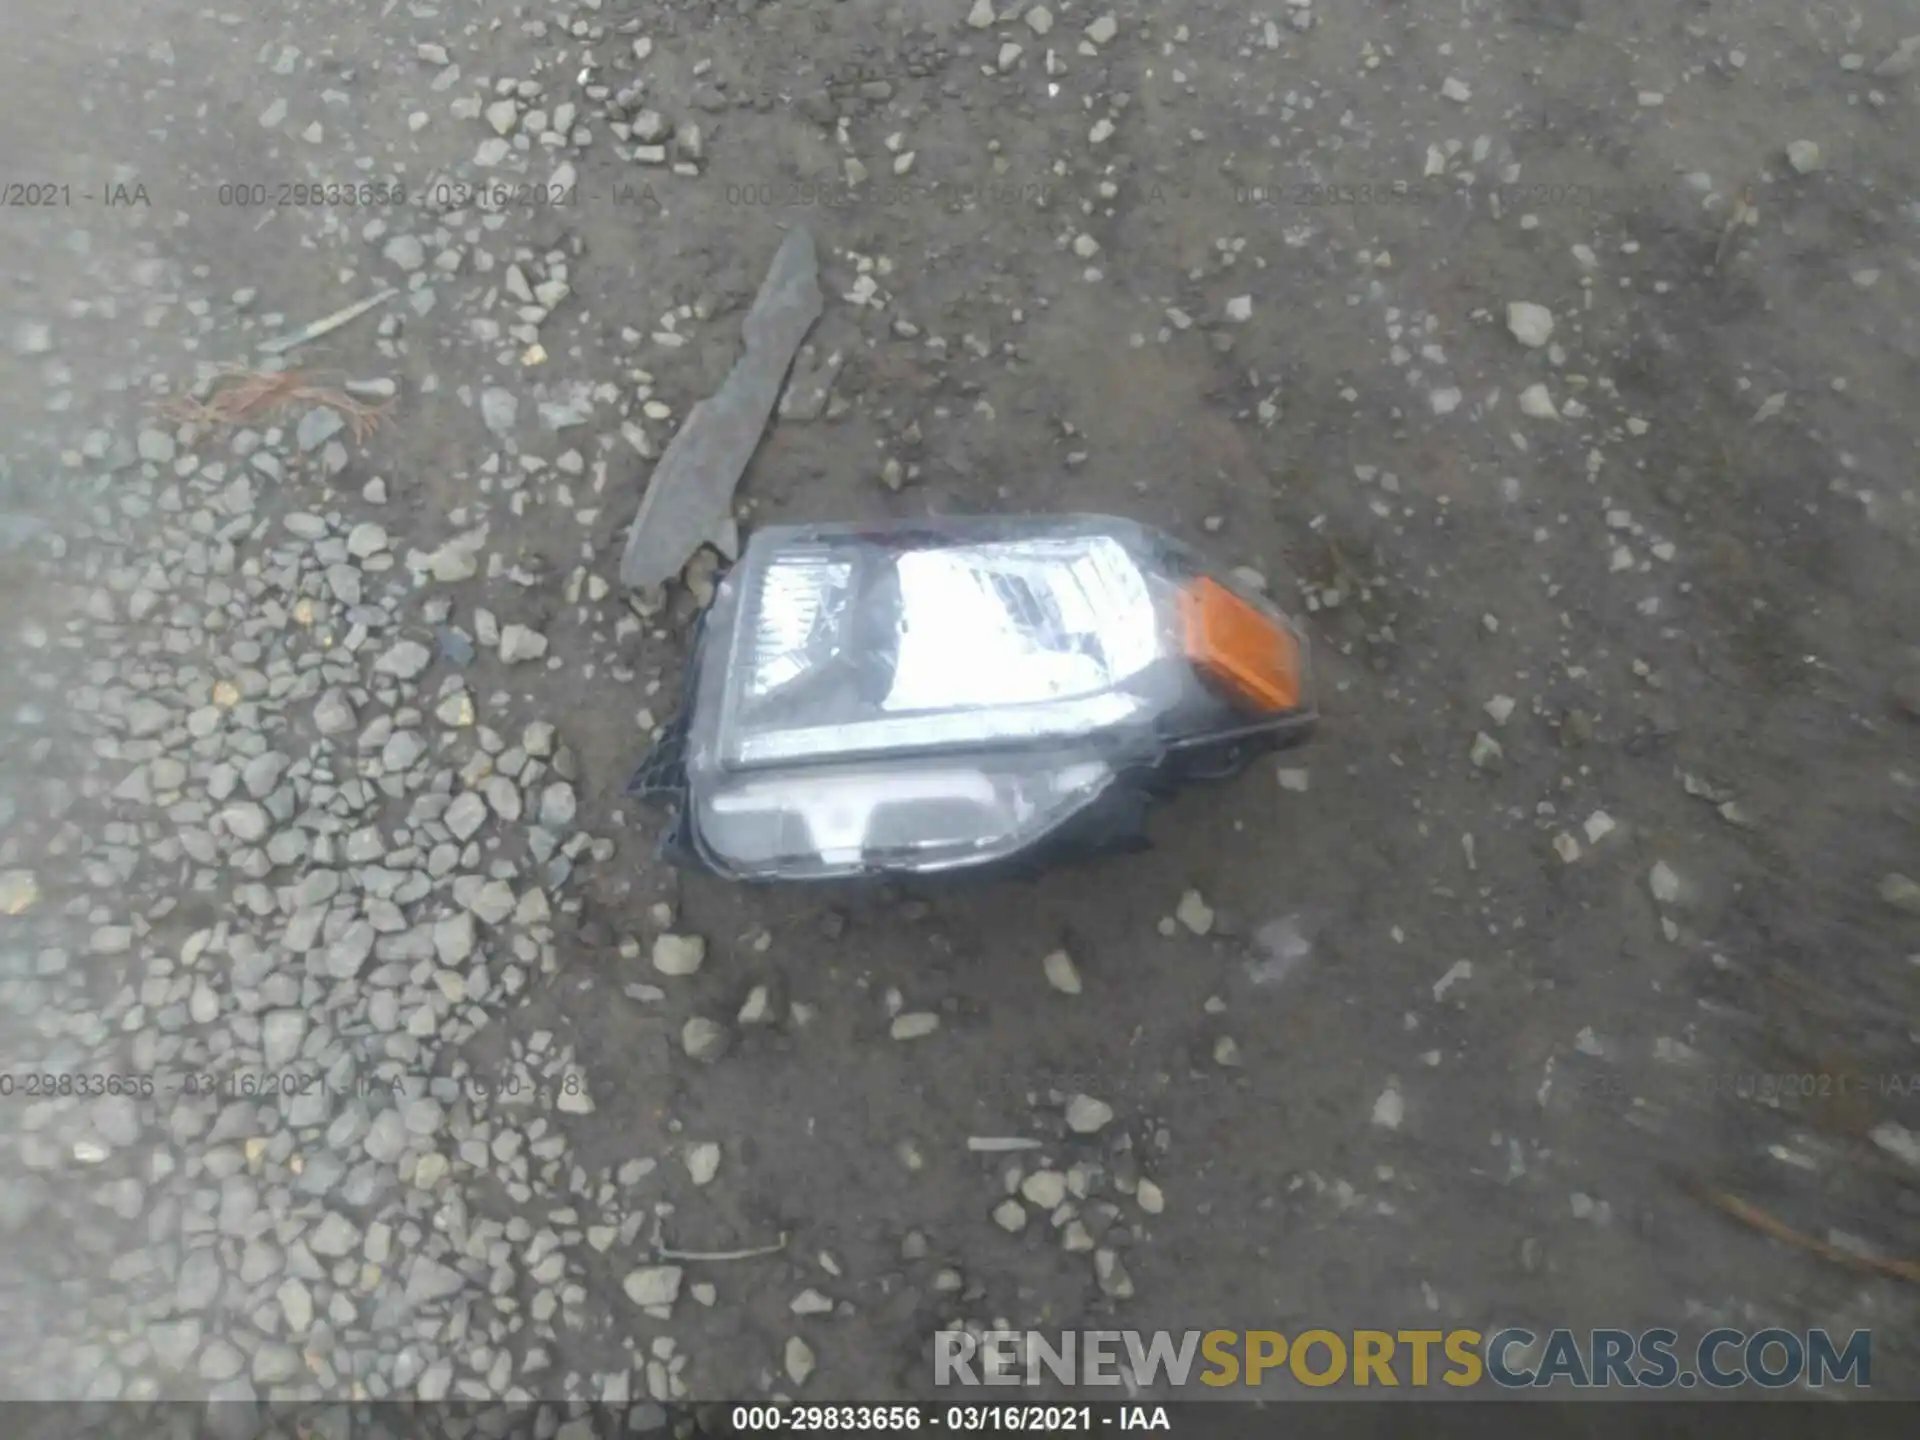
(931, 696)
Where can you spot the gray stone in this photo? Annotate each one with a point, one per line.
(281, 1032)
(147, 717)
(402, 750)
(1530, 324)
(799, 1360)
(453, 938)
(386, 1139)
(1194, 913)
(1111, 1274)
(503, 795)
(296, 1304)
(1061, 973)
(276, 1364)
(653, 1285)
(198, 1281)
(220, 1361)
(406, 251)
(1086, 1115)
(1045, 1188)
(493, 902)
(32, 337)
(503, 116)
(247, 823)
(1902, 893)
(703, 1039)
(466, 815)
(333, 712)
(335, 1236)
(263, 772)
(500, 409)
(116, 1120)
(557, 806)
(349, 953)
(317, 426)
(428, 1280)
(678, 954)
(405, 660)
(518, 643)
(174, 1341)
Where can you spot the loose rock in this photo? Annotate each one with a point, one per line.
(653, 1286)
(1531, 325)
(703, 1039)
(1085, 1115)
(1060, 972)
(915, 1026)
(1194, 913)
(519, 643)
(679, 954)
(799, 1360)
(1902, 893)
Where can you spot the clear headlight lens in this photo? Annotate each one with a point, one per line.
(931, 696)
(1023, 640)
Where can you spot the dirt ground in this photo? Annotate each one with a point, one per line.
(1600, 834)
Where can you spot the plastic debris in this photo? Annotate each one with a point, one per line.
(692, 487)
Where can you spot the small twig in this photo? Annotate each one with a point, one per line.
(1742, 215)
(716, 1256)
(326, 324)
(1777, 1229)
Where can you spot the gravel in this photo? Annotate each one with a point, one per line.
(1061, 973)
(914, 1026)
(1194, 913)
(679, 954)
(1045, 1188)
(703, 1039)
(1530, 324)
(518, 643)
(292, 806)
(500, 409)
(654, 1286)
(1086, 1116)
(798, 1360)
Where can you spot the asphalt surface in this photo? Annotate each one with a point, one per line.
(1566, 978)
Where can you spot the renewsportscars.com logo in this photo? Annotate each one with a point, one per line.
(1510, 1359)
(1724, 1359)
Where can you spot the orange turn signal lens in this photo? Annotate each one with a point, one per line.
(1251, 655)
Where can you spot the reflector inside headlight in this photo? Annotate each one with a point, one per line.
(929, 696)
(1022, 640)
